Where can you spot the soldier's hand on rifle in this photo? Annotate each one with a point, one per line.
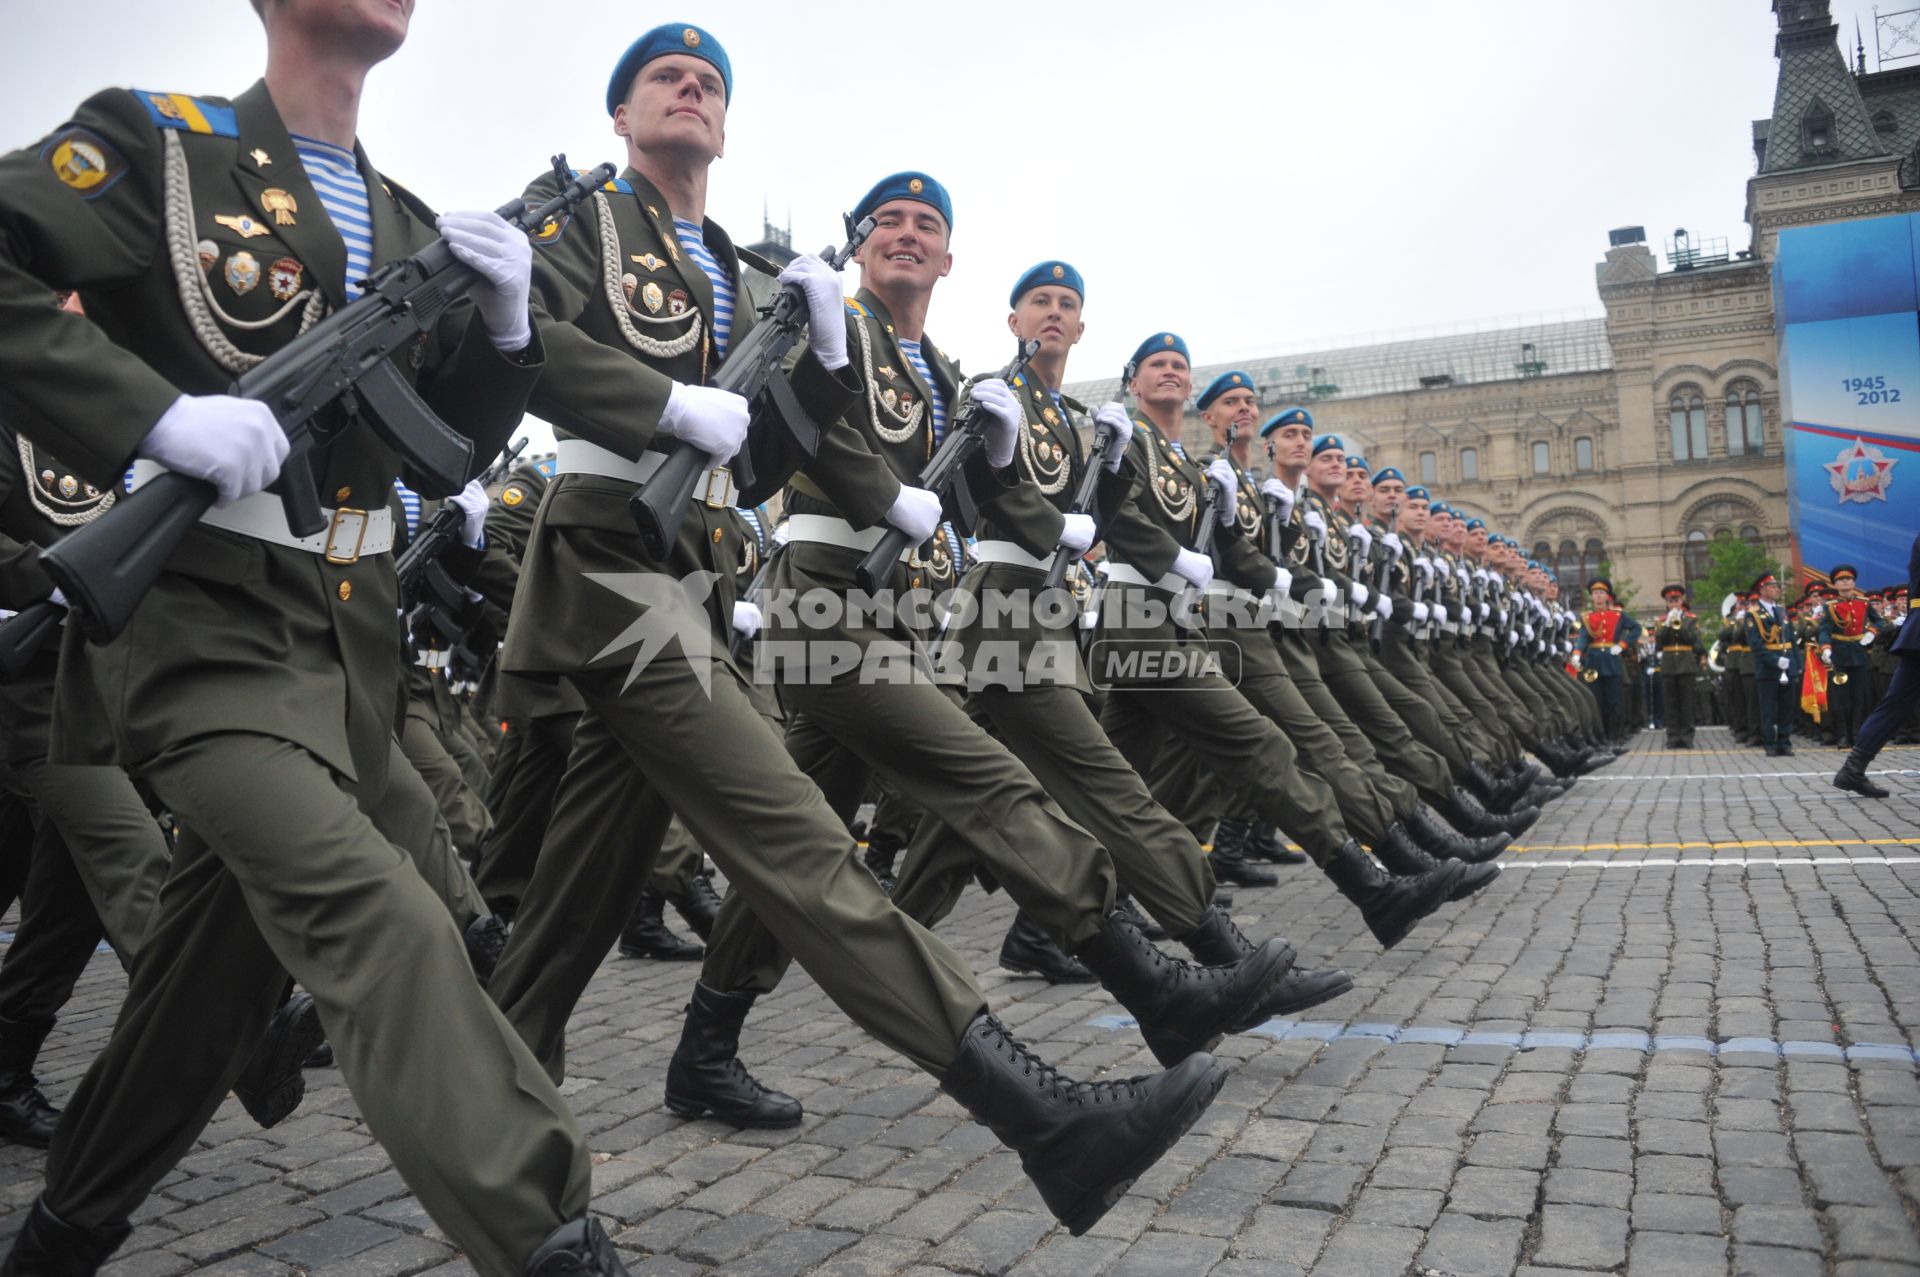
(1119, 428)
(1195, 568)
(1420, 613)
(715, 421)
(997, 400)
(826, 308)
(1076, 533)
(503, 257)
(1383, 607)
(915, 512)
(1282, 497)
(1359, 532)
(1392, 542)
(1360, 594)
(234, 444)
(1282, 583)
(746, 618)
(472, 503)
(1316, 524)
(1220, 475)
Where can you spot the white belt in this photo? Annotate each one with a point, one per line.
(1126, 574)
(1011, 554)
(825, 529)
(577, 456)
(1449, 627)
(349, 534)
(432, 660)
(1223, 590)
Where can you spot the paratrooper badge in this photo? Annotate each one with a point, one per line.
(647, 260)
(209, 253)
(243, 273)
(652, 295)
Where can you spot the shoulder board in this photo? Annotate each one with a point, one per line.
(619, 185)
(189, 114)
(855, 308)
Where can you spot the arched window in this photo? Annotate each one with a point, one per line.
(1469, 464)
(1699, 561)
(1750, 534)
(1591, 558)
(1583, 453)
(1883, 122)
(1816, 130)
(1687, 418)
(1567, 566)
(1542, 457)
(1746, 435)
(1429, 468)
(1543, 553)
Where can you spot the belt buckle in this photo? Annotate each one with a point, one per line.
(720, 477)
(346, 522)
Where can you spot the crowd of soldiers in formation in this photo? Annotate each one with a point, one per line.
(417, 885)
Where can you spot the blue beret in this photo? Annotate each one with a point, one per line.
(668, 37)
(1356, 462)
(1233, 379)
(1475, 523)
(1061, 273)
(1159, 342)
(1439, 507)
(907, 186)
(1418, 492)
(1385, 473)
(1291, 417)
(1325, 442)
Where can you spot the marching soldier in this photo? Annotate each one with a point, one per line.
(1681, 652)
(1776, 665)
(1605, 632)
(1848, 627)
(253, 687)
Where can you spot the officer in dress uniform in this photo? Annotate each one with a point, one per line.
(1678, 633)
(1849, 626)
(254, 686)
(1776, 665)
(1605, 631)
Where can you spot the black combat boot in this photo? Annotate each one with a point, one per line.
(1853, 776)
(1498, 794)
(1221, 897)
(1029, 950)
(579, 1249)
(698, 905)
(1264, 844)
(25, 1116)
(1148, 927)
(1217, 942)
(879, 860)
(1440, 839)
(1083, 1144)
(1182, 1008)
(1469, 817)
(1390, 905)
(486, 939)
(271, 1086)
(1229, 857)
(1404, 859)
(48, 1246)
(647, 934)
(706, 1076)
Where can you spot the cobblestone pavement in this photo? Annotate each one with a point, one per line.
(1676, 1037)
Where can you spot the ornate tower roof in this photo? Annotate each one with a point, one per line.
(1818, 116)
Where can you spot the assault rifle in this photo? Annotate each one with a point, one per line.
(781, 437)
(1082, 504)
(106, 567)
(966, 435)
(1189, 602)
(1376, 632)
(424, 550)
(1318, 561)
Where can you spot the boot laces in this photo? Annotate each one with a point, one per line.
(1050, 1079)
(1182, 969)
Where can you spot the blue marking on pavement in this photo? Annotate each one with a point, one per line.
(1563, 1039)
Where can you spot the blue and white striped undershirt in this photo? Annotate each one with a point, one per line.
(410, 504)
(343, 193)
(693, 239)
(911, 349)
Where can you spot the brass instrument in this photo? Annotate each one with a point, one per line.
(1839, 678)
(1590, 675)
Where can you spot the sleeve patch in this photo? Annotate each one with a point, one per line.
(551, 231)
(84, 161)
(513, 494)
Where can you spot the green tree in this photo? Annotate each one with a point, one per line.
(1732, 564)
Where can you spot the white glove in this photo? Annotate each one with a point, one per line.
(826, 308)
(715, 421)
(1466, 614)
(1329, 592)
(1826, 656)
(472, 503)
(1076, 533)
(1282, 582)
(58, 598)
(1383, 608)
(503, 256)
(1786, 662)
(1392, 541)
(1486, 610)
(746, 619)
(1226, 487)
(1196, 568)
(915, 512)
(1120, 429)
(234, 444)
(782, 533)
(1673, 614)
(1358, 531)
(1315, 523)
(1480, 575)
(1421, 612)
(1282, 497)
(1866, 640)
(1526, 632)
(1360, 594)
(996, 399)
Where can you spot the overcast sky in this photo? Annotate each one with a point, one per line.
(1260, 177)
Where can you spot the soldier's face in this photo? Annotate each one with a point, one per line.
(1847, 586)
(1770, 592)
(373, 29)
(1388, 496)
(908, 248)
(678, 103)
(1355, 488)
(1477, 541)
(1163, 378)
(1327, 471)
(1293, 445)
(1414, 518)
(1050, 315)
(1235, 408)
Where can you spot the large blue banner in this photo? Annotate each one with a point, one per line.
(1847, 306)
